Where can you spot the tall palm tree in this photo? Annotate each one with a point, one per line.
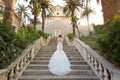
(74, 22)
(35, 9)
(87, 12)
(70, 8)
(8, 11)
(46, 8)
(22, 12)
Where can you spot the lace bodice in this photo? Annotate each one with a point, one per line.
(59, 45)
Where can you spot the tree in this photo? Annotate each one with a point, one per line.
(87, 11)
(35, 9)
(74, 22)
(71, 7)
(46, 9)
(8, 11)
(22, 12)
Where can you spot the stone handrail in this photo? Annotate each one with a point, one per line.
(14, 71)
(103, 68)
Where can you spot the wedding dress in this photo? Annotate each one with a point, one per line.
(59, 63)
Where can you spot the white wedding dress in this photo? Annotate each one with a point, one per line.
(59, 63)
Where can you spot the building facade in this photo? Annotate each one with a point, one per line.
(58, 23)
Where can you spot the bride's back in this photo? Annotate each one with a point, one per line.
(60, 39)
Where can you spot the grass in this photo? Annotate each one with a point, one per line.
(91, 40)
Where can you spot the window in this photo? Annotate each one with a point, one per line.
(57, 13)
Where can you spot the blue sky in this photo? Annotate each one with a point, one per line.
(96, 19)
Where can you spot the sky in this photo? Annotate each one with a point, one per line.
(97, 18)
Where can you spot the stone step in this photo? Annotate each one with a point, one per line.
(49, 55)
(39, 66)
(48, 52)
(48, 58)
(54, 77)
(47, 61)
(47, 72)
(52, 48)
(55, 46)
(44, 52)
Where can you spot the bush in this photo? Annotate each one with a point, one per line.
(110, 43)
(99, 29)
(8, 51)
(45, 35)
(70, 36)
(11, 43)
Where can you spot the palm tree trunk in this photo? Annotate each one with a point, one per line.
(35, 21)
(78, 31)
(107, 9)
(9, 11)
(88, 23)
(43, 19)
(73, 26)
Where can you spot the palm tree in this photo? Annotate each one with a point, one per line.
(87, 11)
(70, 8)
(46, 9)
(74, 22)
(35, 9)
(8, 11)
(22, 12)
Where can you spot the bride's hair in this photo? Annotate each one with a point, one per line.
(60, 35)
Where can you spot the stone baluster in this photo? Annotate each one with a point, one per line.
(17, 69)
(92, 61)
(11, 76)
(100, 70)
(25, 60)
(96, 67)
(88, 57)
(21, 64)
(105, 73)
(84, 53)
(32, 52)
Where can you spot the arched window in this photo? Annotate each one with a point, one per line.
(57, 13)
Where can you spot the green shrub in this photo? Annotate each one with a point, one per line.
(45, 35)
(11, 43)
(8, 50)
(110, 43)
(99, 29)
(70, 36)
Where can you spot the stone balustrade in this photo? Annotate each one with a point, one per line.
(14, 71)
(103, 68)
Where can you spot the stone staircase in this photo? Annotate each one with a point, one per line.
(38, 69)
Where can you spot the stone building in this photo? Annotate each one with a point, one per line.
(58, 23)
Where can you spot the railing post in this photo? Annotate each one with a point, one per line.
(11, 76)
(21, 65)
(96, 68)
(100, 70)
(105, 74)
(32, 52)
(17, 70)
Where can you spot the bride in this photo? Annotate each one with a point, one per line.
(59, 63)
